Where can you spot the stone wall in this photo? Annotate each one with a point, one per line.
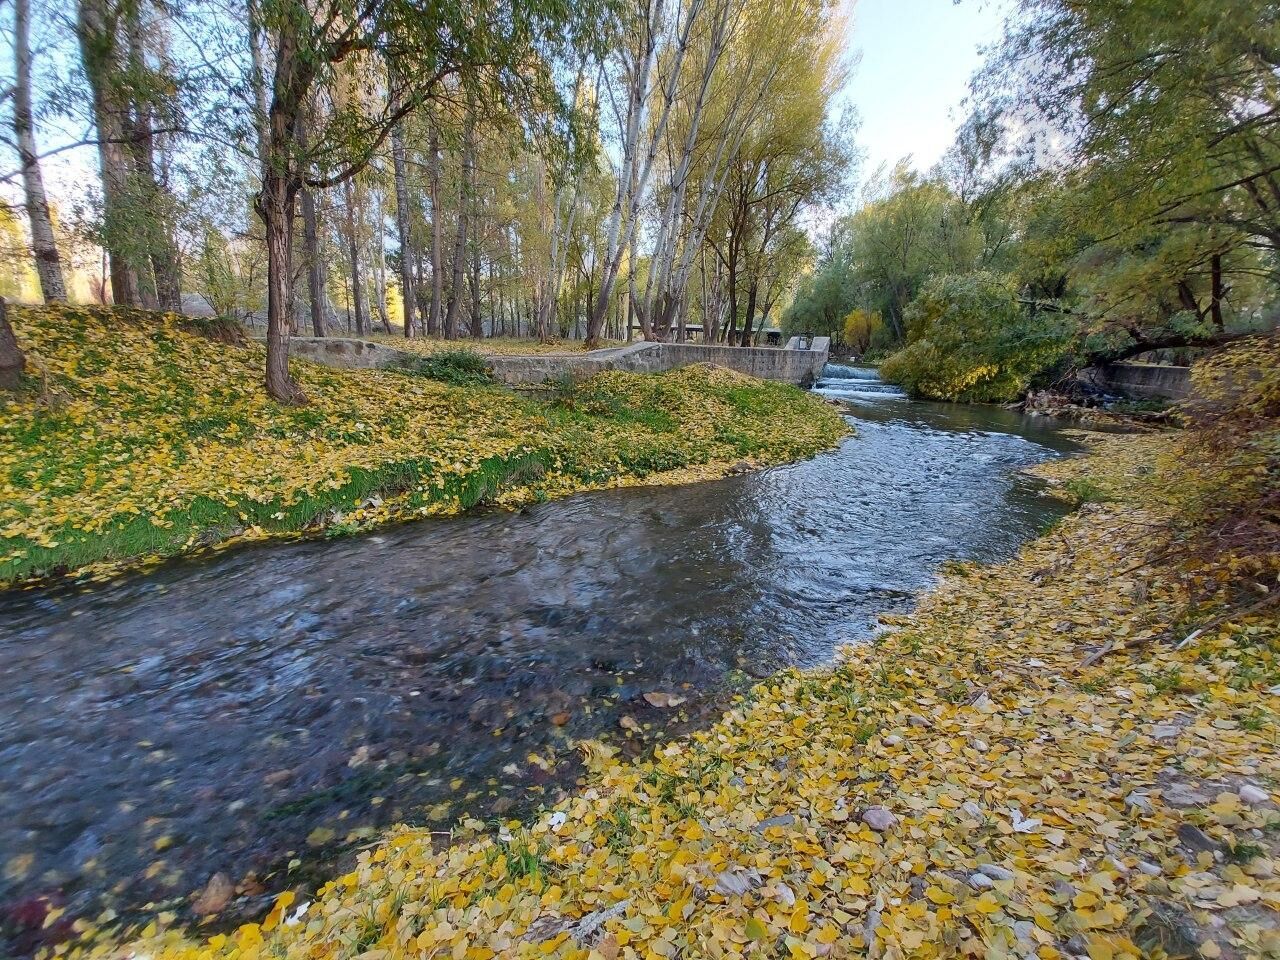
(1142, 381)
(790, 365)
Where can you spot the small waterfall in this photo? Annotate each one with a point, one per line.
(841, 371)
(842, 380)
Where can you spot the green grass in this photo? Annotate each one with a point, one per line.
(1086, 491)
(209, 522)
(461, 368)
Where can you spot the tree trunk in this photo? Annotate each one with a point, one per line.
(460, 238)
(315, 265)
(161, 287)
(43, 244)
(408, 292)
(749, 318)
(380, 265)
(1217, 292)
(276, 208)
(477, 316)
(353, 251)
(311, 243)
(12, 362)
(437, 227)
(99, 49)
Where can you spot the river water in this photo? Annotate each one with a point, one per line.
(276, 702)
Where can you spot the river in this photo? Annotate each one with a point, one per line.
(280, 702)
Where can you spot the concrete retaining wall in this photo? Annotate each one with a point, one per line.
(796, 366)
(1143, 381)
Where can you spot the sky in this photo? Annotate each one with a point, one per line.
(909, 86)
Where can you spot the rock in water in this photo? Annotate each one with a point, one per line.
(215, 896)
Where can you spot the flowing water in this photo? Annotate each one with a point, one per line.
(233, 712)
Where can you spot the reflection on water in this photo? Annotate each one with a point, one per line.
(213, 714)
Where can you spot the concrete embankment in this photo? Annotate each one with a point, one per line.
(1143, 381)
(793, 364)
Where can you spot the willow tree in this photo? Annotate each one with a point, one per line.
(494, 52)
(1163, 120)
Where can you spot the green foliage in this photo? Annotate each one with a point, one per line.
(971, 340)
(461, 368)
(230, 277)
(1085, 490)
(1157, 216)
(878, 259)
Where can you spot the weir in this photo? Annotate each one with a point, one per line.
(796, 363)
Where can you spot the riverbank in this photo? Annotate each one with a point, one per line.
(1063, 755)
(136, 438)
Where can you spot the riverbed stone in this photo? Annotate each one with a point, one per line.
(995, 871)
(879, 818)
(980, 881)
(1254, 796)
(1192, 837)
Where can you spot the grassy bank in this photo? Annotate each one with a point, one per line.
(1070, 754)
(138, 436)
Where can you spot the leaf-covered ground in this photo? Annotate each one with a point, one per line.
(136, 438)
(1030, 765)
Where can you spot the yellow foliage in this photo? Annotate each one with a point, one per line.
(138, 438)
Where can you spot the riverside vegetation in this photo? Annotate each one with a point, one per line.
(137, 435)
(1069, 754)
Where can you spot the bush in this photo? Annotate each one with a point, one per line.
(970, 340)
(461, 368)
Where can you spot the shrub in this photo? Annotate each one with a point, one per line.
(461, 368)
(971, 340)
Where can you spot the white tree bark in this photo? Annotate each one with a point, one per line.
(633, 179)
(43, 244)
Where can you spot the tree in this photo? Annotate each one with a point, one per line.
(44, 246)
(970, 340)
(1163, 120)
(916, 230)
(498, 51)
(466, 186)
(404, 232)
(860, 329)
(100, 48)
(354, 217)
(641, 128)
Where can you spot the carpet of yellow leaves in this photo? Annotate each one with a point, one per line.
(139, 439)
(967, 784)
